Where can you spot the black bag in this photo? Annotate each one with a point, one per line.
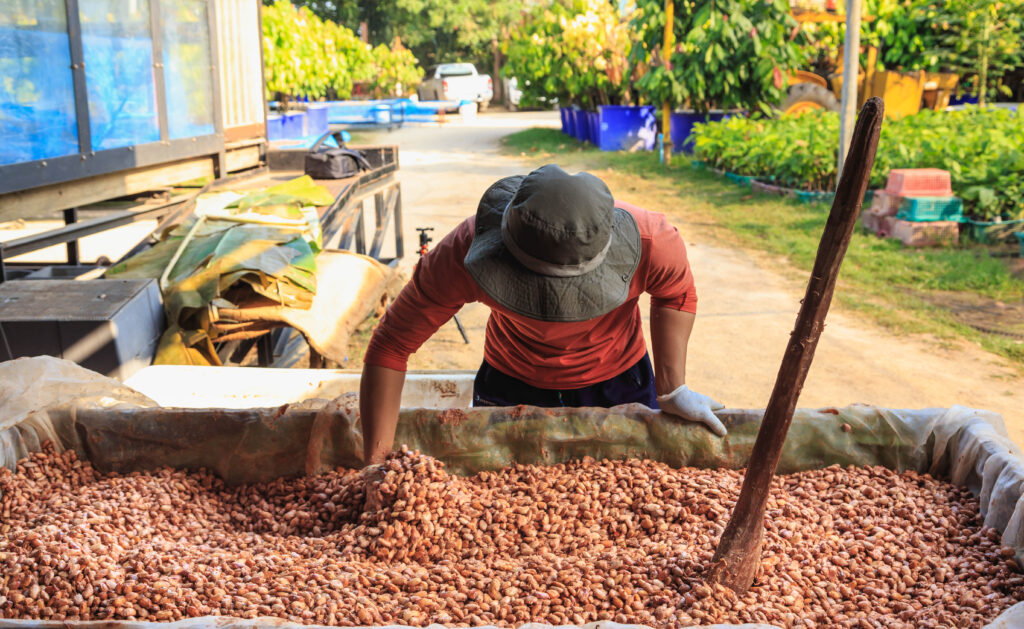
(328, 162)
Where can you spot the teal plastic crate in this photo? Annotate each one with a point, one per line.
(814, 197)
(1020, 241)
(743, 180)
(921, 209)
(993, 233)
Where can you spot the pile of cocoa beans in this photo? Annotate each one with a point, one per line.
(406, 543)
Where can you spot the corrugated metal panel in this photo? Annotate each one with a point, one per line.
(241, 63)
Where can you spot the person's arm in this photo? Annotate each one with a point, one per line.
(670, 334)
(380, 397)
(439, 286)
(673, 312)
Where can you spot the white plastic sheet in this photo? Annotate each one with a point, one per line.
(37, 400)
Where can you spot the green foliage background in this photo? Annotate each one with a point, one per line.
(933, 35)
(436, 31)
(314, 58)
(982, 148)
(728, 53)
(575, 51)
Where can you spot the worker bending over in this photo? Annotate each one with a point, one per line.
(561, 265)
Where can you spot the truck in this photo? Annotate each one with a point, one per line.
(456, 82)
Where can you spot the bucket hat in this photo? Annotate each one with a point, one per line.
(552, 246)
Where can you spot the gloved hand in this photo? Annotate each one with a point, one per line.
(690, 405)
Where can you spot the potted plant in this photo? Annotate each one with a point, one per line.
(575, 52)
(728, 55)
(981, 38)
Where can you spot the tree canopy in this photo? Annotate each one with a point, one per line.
(436, 31)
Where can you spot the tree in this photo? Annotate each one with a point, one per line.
(729, 53)
(436, 31)
(395, 71)
(346, 12)
(307, 56)
(576, 51)
(983, 39)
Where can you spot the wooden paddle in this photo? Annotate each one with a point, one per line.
(739, 551)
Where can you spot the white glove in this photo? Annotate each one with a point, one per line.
(693, 406)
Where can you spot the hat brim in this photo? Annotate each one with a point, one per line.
(546, 298)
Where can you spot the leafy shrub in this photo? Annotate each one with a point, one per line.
(575, 51)
(314, 58)
(395, 71)
(983, 149)
(971, 37)
(728, 53)
(905, 32)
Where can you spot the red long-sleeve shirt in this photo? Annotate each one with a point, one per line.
(548, 355)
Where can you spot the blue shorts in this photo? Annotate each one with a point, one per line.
(636, 384)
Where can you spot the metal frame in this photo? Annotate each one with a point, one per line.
(156, 32)
(88, 163)
(347, 217)
(74, 230)
(78, 76)
(27, 175)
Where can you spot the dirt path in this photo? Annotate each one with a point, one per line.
(747, 306)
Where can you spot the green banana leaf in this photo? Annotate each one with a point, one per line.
(276, 262)
(301, 189)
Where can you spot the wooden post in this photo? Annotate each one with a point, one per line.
(666, 107)
(739, 551)
(851, 67)
(497, 84)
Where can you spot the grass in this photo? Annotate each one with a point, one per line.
(900, 288)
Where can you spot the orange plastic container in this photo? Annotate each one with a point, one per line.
(919, 182)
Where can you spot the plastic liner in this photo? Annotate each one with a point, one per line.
(259, 444)
(36, 400)
(121, 430)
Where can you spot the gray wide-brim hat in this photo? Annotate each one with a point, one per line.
(553, 246)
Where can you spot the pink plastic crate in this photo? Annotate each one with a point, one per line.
(928, 234)
(919, 182)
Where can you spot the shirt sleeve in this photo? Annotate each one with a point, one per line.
(669, 278)
(440, 285)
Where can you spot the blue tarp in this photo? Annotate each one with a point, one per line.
(305, 142)
(37, 98)
(37, 101)
(382, 112)
(387, 112)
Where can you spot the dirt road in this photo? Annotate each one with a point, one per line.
(747, 306)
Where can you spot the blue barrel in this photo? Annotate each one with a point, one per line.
(580, 125)
(627, 128)
(593, 127)
(682, 127)
(963, 99)
(316, 120)
(566, 122)
(286, 126)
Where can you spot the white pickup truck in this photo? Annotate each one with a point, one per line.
(456, 81)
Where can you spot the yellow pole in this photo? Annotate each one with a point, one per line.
(666, 107)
